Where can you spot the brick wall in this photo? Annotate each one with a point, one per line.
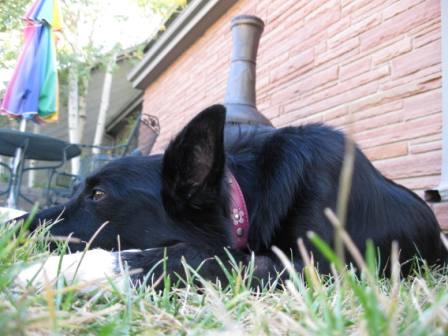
(371, 67)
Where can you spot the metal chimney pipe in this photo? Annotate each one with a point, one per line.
(240, 98)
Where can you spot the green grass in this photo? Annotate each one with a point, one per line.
(340, 304)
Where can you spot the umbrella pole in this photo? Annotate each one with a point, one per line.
(22, 126)
(18, 160)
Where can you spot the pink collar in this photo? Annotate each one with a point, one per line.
(238, 214)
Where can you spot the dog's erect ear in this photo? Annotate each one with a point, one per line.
(193, 163)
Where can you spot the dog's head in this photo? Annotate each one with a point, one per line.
(152, 201)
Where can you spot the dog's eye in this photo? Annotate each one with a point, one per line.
(98, 194)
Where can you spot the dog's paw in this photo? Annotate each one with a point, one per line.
(9, 214)
(92, 269)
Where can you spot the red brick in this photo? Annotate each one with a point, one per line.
(398, 48)
(285, 119)
(354, 30)
(307, 107)
(337, 52)
(337, 112)
(356, 68)
(262, 8)
(318, 79)
(320, 48)
(358, 8)
(349, 85)
(262, 85)
(339, 26)
(420, 183)
(293, 66)
(425, 139)
(378, 110)
(395, 93)
(272, 112)
(425, 147)
(272, 35)
(423, 104)
(316, 22)
(310, 42)
(400, 132)
(313, 118)
(387, 151)
(408, 166)
(426, 76)
(399, 7)
(421, 58)
(303, 9)
(423, 38)
(323, 10)
(279, 43)
(342, 123)
(365, 124)
(273, 63)
(426, 26)
(278, 10)
(361, 122)
(400, 24)
(441, 212)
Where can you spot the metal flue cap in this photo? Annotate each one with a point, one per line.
(247, 19)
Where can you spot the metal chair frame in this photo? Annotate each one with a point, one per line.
(52, 171)
(123, 148)
(9, 186)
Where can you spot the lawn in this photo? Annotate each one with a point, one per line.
(341, 304)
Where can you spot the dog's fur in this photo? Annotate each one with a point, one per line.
(180, 201)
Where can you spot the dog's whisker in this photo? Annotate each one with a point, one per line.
(68, 239)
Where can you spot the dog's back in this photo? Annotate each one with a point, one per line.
(298, 169)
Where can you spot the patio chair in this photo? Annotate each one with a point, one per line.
(140, 141)
(5, 178)
(51, 153)
(148, 132)
(62, 187)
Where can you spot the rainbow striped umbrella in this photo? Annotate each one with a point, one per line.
(33, 92)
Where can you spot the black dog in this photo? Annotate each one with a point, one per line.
(181, 203)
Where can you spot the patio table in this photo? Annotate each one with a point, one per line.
(30, 146)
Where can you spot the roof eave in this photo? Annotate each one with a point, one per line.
(178, 37)
(125, 111)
